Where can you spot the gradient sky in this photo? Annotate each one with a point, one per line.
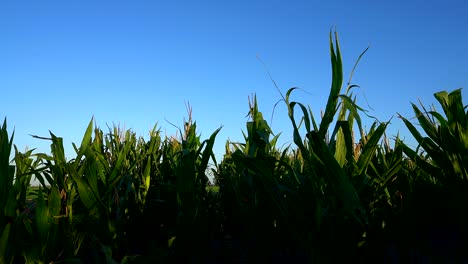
(138, 63)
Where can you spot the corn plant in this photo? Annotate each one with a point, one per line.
(335, 171)
(8, 201)
(177, 214)
(255, 177)
(83, 206)
(191, 183)
(442, 179)
(447, 137)
(16, 217)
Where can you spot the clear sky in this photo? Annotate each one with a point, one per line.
(138, 63)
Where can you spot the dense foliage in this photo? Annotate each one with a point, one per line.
(339, 194)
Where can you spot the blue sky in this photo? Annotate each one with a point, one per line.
(138, 63)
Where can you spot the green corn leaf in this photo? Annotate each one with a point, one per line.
(54, 202)
(452, 105)
(42, 221)
(343, 144)
(92, 176)
(426, 124)
(84, 191)
(314, 123)
(207, 153)
(4, 243)
(305, 116)
(426, 143)
(339, 182)
(391, 173)
(57, 149)
(337, 81)
(116, 171)
(6, 170)
(423, 164)
(440, 118)
(352, 107)
(10, 205)
(85, 142)
(369, 149)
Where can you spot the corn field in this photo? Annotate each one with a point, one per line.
(338, 194)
